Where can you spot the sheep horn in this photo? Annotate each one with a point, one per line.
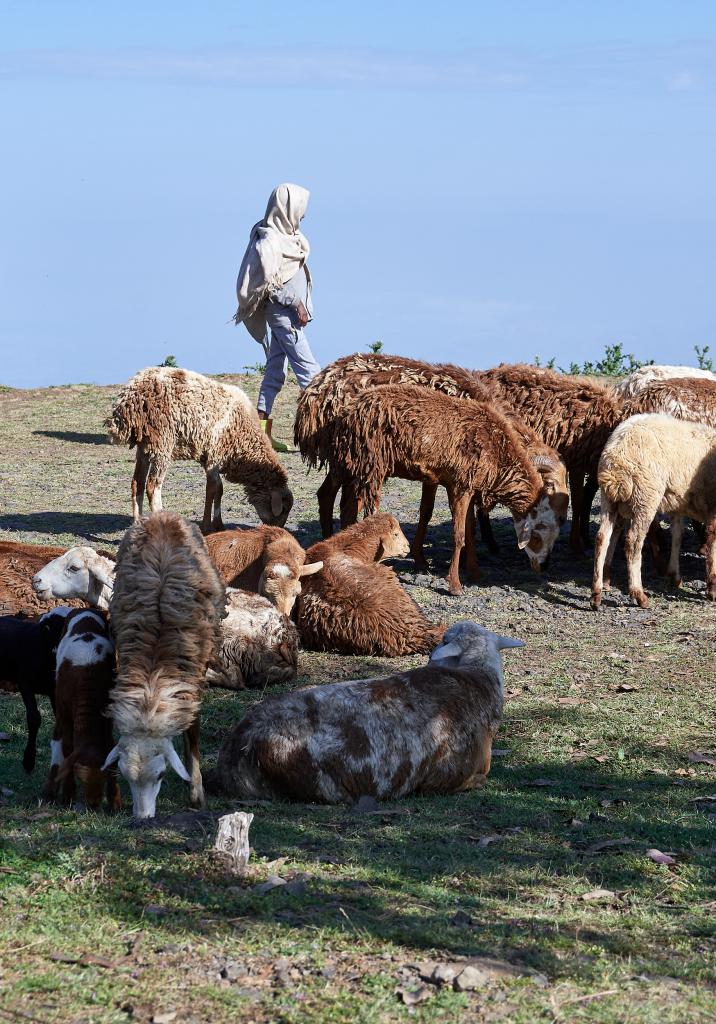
(311, 568)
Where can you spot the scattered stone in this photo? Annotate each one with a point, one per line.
(233, 970)
(462, 920)
(413, 996)
(470, 978)
(155, 910)
(599, 896)
(444, 974)
(272, 882)
(165, 1017)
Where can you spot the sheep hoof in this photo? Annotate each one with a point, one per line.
(711, 593)
(596, 601)
(640, 597)
(675, 581)
(454, 588)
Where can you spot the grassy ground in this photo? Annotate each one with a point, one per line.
(103, 921)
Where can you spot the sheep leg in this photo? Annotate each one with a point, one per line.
(607, 570)
(191, 759)
(351, 505)
(472, 568)
(114, 796)
(709, 546)
(589, 490)
(459, 507)
(32, 714)
(576, 490)
(427, 504)
(633, 544)
(155, 479)
(139, 481)
(326, 495)
(212, 500)
(677, 531)
(488, 537)
(607, 524)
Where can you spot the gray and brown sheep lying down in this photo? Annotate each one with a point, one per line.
(266, 560)
(467, 447)
(171, 414)
(166, 612)
(355, 606)
(426, 731)
(18, 565)
(331, 392)
(654, 463)
(259, 645)
(82, 736)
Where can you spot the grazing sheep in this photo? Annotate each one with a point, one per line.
(166, 613)
(259, 645)
(79, 573)
(356, 606)
(331, 392)
(426, 731)
(172, 414)
(266, 560)
(646, 375)
(18, 565)
(467, 447)
(82, 737)
(27, 664)
(654, 463)
(572, 415)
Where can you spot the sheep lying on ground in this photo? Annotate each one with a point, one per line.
(18, 565)
(356, 606)
(172, 414)
(645, 375)
(467, 447)
(27, 664)
(266, 560)
(258, 642)
(82, 737)
(330, 394)
(572, 415)
(166, 613)
(426, 731)
(650, 464)
(79, 573)
(259, 645)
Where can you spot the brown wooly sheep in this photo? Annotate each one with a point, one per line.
(82, 737)
(266, 560)
(632, 385)
(654, 463)
(356, 606)
(18, 565)
(467, 447)
(324, 401)
(427, 731)
(166, 613)
(684, 398)
(172, 414)
(572, 415)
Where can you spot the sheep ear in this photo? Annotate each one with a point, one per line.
(104, 578)
(380, 553)
(276, 503)
(311, 568)
(111, 757)
(450, 650)
(176, 762)
(524, 532)
(504, 642)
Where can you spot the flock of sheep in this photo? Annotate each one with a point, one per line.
(125, 645)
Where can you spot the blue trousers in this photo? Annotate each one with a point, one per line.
(288, 344)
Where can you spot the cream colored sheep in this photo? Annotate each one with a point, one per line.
(650, 464)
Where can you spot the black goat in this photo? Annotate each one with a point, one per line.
(27, 662)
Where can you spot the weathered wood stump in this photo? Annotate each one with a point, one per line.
(232, 840)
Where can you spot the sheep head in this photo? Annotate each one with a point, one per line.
(272, 504)
(80, 572)
(539, 529)
(280, 583)
(143, 761)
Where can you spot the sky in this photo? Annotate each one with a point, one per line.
(490, 180)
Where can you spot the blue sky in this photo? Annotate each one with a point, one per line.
(490, 180)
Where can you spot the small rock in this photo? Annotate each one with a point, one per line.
(462, 920)
(599, 896)
(165, 1017)
(233, 970)
(444, 974)
(272, 882)
(296, 888)
(413, 996)
(470, 978)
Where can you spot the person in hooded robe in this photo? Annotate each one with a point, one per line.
(274, 293)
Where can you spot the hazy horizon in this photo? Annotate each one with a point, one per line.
(499, 182)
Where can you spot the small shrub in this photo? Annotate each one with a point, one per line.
(375, 347)
(170, 361)
(255, 368)
(705, 361)
(615, 363)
